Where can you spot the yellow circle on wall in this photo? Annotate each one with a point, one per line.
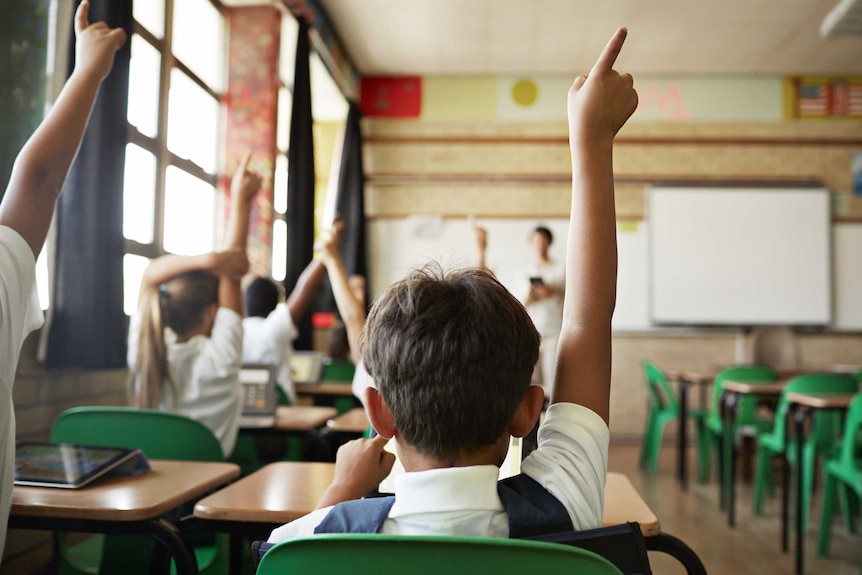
(525, 92)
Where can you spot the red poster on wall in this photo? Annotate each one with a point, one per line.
(391, 97)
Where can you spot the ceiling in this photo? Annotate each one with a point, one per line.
(562, 37)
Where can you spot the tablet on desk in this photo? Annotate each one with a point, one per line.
(71, 466)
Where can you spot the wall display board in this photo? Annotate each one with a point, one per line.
(847, 269)
(740, 256)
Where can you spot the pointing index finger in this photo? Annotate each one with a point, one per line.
(81, 21)
(609, 54)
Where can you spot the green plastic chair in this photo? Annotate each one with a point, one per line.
(746, 415)
(338, 370)
(821, 441)
(362, 554)
(663, 408)
(844, 470)
(160, 435)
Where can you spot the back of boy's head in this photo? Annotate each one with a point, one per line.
(261, 297)
(451, 354)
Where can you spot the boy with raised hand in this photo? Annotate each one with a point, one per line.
(452, 355)
(26, 211)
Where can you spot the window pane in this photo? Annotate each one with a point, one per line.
(144, 86)
(133, 271)
(198, 39)
(151, 15)
(192, 122)
(327, 102)
(189, 213)
(285, 112)
(279, 250)
(287, 57)
(280, 185)
(139, 193)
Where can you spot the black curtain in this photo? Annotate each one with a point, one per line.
(351, 199)
(300, 181)
(88, 326)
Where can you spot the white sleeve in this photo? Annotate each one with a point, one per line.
(302, 527)
(134, 333)
(224, 346)
(279, 327)
(571, 461)
(20, 312)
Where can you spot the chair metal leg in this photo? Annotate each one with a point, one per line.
(667, 543)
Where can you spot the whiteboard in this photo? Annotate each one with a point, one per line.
(398, 245)
(847, 266)
(740, 256)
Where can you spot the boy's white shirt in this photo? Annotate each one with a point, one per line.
(204, 371)
(270, 340)
(547, 314)
(20, 314)
(571, 462)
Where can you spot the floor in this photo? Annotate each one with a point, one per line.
(752, 547)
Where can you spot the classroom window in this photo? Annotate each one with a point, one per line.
(176, 75)
(287, 64)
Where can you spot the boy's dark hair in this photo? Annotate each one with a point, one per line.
(545, 232)
(452, 354)
(261, 297)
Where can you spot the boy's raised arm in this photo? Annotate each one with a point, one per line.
(598, 106)
(43, 163)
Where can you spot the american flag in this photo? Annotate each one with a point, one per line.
(814, 100)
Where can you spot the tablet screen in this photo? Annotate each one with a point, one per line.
(65, 465)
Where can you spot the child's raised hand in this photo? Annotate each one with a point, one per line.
(96, 44)
(599, 104)
(246, 182)
(328, 242)
(480, 234)
(231, 264)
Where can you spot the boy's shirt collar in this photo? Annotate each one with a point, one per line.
(448, 489)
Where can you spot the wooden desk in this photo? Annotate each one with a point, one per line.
(731, 391)
(336, 388)
(302, 417)
(284, 491)
(123, 504)
(353, 421)
(801, 406)
(684, 380)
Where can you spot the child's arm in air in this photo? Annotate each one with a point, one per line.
(244, 186)
(305, 289)
(43, 163)
(480, 237)
(231, 264)
(351, 309)
(598, 106)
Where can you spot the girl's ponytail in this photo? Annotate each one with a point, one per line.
(151, 365)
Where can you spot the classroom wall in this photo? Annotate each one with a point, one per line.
(499, 169)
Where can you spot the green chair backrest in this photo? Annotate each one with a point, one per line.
(746, 373)
(851, 441)
(362, 554)
(812, 383)
(159, 434)
(660, 393)
(338, 370)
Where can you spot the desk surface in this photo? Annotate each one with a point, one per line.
(126, 497)
(749, 387)
(284, 491)
(337, 388)
(822, 400)
(353, 421)
(302, 417)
